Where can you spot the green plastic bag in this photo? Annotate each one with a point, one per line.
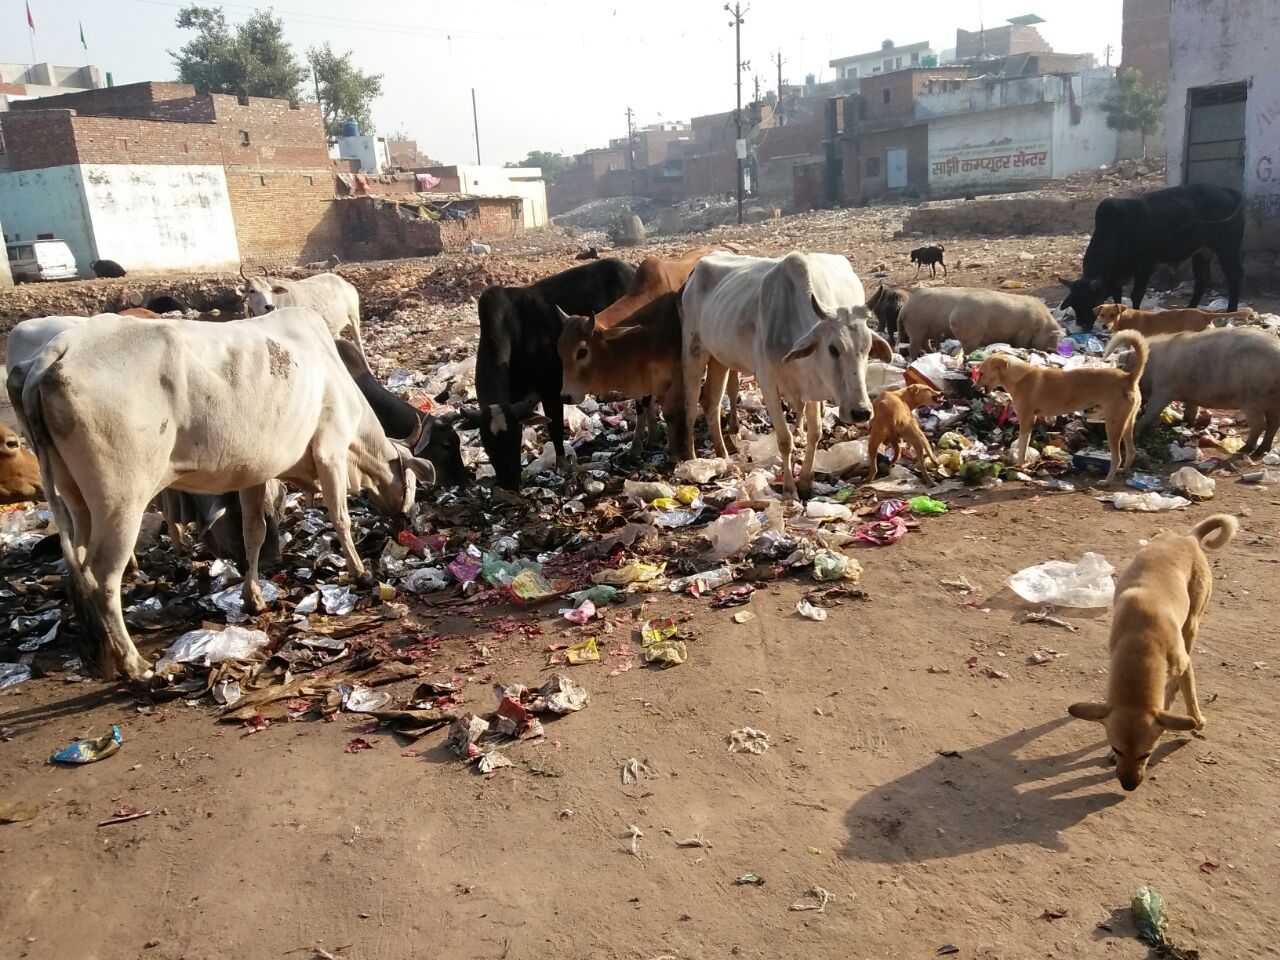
(926, 505)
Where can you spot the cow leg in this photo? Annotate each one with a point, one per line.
(693, 365)
(734, 388)
(1269, 437)
(108, 552)
(254, 527)
(333, 486)
(717, 379)
(553, 407)
(1141, 277)
(1200, 273)
(1233, 269)
(813, 431)
(644, 428)
(782, 430)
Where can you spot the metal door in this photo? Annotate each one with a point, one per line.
(897, 164)
(1215, 135)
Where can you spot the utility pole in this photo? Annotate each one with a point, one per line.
(631, 150)
(755, 79)
(1107, 51)
(739, 66)
(778, 62)
(475, 122)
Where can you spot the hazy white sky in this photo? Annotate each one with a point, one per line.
(549, 74)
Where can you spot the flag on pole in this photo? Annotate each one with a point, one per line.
(31, 21)
(83, 42)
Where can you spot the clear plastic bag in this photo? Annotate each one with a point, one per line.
(1193, 483)
(1058, 583)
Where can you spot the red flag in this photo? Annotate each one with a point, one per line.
(31, 23)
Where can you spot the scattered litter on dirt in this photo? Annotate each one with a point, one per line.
(124, 815)
(1047, 616)
(749, 880)
(634, 770)
(1152, 923)
(90, 751)
(748, 740)
(809, 611)
(815, 899)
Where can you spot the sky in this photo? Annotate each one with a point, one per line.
(548, 74)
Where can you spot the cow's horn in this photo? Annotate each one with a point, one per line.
(242, 276)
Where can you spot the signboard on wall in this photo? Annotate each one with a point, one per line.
(965, 165)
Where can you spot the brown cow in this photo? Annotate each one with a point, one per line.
(19, 470)
(654, 279)
(639, 358)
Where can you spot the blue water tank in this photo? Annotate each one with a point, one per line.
(350, 128)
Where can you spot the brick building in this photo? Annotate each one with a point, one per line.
(1144, 39)
(1000, 41)
(160, 178)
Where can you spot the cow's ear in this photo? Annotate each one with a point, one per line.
(880, 349)
(1089, 711)
(524, 409)
(1065, 282)
(805, 345)
(277, 289)
(424, 470)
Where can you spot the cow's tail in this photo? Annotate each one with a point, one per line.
(1215, 532)
(1135, 341)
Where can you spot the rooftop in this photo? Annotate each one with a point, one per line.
(907, 47)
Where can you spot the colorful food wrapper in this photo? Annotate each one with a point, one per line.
(89, 751)
(584, 652)
(655, 631)
(529, 586)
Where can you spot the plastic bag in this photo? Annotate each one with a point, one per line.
(840, 457)
(829, 565)
(930, 369)
(598, 595)
(926, 505)
(807, 609)
(667, 653)
(647, 490)
(13, 673)
(208, 647)
(585, 651)
(631, 573)
(821, 510)
(90, 751)
(702, 470)
(1147, 502)
(425, 580)
(732, 534)
(543, 462)
(1193, 483)
(1061, 584)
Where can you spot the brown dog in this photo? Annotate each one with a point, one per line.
(893, 421)
(1150, 323)
(1041, 391)
(1159, 602)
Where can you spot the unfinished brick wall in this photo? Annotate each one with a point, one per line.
(378, 230)
(285, 215)
(128, 100)
(37, 140)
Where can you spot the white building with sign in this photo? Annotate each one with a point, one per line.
(1002, 134)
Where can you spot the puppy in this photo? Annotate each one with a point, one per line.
(1159, 602)
(893, 421)
(1040, 391)
(1150, 323)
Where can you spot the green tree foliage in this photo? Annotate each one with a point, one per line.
(346, 93)
(1136, 105)
(552, 164)
(253, 59)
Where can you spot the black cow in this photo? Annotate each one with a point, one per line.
(1132, 235)
(106, 268)
(427, 436)
(886, 303)
(165, 303)
(931, 257)
(517, 363)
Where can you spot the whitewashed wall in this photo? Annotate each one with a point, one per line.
(51, 201)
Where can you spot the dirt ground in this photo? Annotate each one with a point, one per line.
(937, 801)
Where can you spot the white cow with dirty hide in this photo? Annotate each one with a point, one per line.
(799, 323)
(326, 293)
(204, 408)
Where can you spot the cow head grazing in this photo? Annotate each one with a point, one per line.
(393, 497)
(1083, 295)
(19, 470)
(576, 347)
(839, 344)
(501, 430)
(440, 445)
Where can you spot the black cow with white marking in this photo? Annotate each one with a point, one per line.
(518, 364)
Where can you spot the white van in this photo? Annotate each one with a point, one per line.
(32, 260)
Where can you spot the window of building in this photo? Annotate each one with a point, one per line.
(122, 145)
(888, 65)
(184, 147)
(311, 181)
(915, 58)
(44, 236)
(244, 138)
(852, 73)
(897, 63)
(884, 95)
(873, 167)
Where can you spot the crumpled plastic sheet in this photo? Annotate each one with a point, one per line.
(1086, 584)
(748, 740)
(11, 674)
(208, 647)
(338, 600)
(231, 603)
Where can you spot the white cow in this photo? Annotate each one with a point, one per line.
(798, 323)
(326, 293)
(121, 408)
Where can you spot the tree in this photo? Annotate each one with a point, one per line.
(253, 60)
(552, 164)
(1136, 105)
(346, 93)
